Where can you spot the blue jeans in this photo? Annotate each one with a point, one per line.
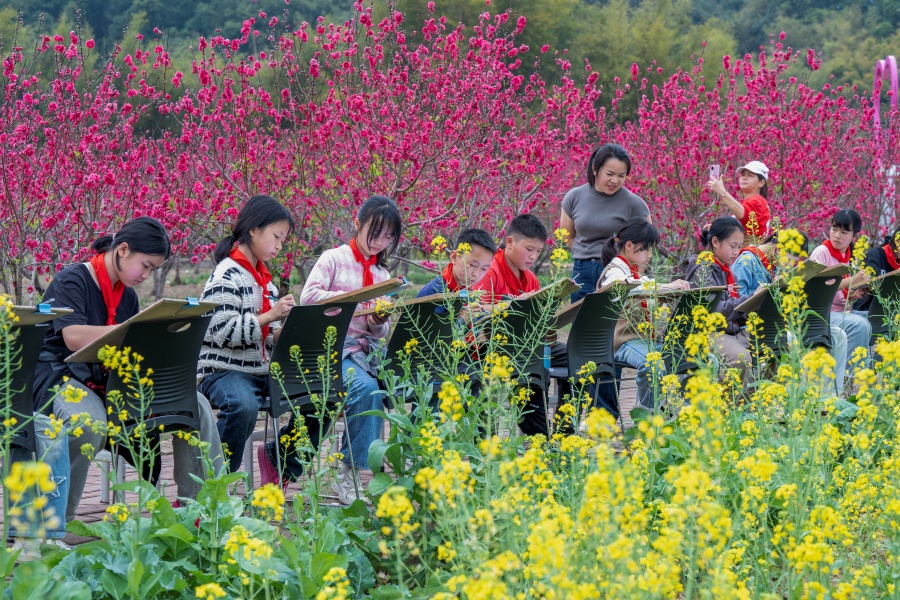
(363, 393)
(634, 354)
(586, 273)
(54, 453)
(857, 327)
(239, 398)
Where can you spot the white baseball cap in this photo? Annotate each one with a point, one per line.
(754, 166)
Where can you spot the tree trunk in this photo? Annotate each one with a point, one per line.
(159, 280)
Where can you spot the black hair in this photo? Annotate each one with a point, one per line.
(637, 230)
(142, 234)
(721, 229)
(258, 212)
(848, 220)
(527, 226)
(892, 239)
(381, 213)
(604, 153)
(479, 237)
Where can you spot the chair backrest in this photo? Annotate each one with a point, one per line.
(519, 325)
(306, 328)
(773, 330)
(681, 320)
(27, 344)
(820, 293)
(888, 292)
(431, 324)
(593, 330)
(171, 348)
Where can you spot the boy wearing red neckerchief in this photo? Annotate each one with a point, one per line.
(837, 249)
(509, 276)
(469, 262)
(881, 260)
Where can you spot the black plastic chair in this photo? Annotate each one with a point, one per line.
(306, 328)
(428, 321)
(677, 363)
(888, 292)
(171, 348)
(27, 344)
(591, 337)
(819, 293)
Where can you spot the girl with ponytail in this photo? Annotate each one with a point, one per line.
(234, 360)
(626, 254)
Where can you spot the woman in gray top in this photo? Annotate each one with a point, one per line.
(595, 211)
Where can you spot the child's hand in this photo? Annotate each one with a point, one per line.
(857, 294)
(716, 186)
(679, 284)
(283, 307)
(378, 319)
(472, 310)
(860, 278)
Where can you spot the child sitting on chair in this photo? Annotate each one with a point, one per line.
(509, 277)
(626, 255)
(469, 262)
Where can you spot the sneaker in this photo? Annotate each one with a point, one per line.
(29, 549)
(57, 545)
(345, 486)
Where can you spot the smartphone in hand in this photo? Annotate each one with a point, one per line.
(714, 171)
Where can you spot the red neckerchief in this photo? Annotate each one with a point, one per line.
(891, 257)
(518, 285)
(112, 294)
(368, 279)
(761, 256)
(262, 276)
(841, 258)
(449, 279)
(634, 269)
(729, 278)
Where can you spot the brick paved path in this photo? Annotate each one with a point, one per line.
(92, 508)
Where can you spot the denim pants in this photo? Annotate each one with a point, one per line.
(187, 458)
(363, 393)
(55, 453)
(239, 397)
(634, 354)
(586, 273)
(857, 327)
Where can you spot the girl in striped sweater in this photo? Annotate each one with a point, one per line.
(234, 361)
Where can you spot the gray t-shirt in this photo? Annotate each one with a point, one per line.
(598, 216)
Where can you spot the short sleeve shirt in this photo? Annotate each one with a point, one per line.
(74, 288)
(598, 216)
(756, 206)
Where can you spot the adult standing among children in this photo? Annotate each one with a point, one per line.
(595, 211)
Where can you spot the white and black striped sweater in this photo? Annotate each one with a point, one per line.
(233, 340)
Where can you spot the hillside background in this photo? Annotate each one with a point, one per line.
(610, 34)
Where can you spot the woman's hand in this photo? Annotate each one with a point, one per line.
(716, 186)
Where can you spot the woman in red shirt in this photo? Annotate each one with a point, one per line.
(753, 210)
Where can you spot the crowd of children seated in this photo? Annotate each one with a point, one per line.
(246, 323)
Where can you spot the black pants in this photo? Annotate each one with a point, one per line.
(292, 459)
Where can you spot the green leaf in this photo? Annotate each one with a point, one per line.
(322, 562)
(30, 581)
(377, 450)
(176, 531)
(135, 574)
(114, 584)
(380, 483)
